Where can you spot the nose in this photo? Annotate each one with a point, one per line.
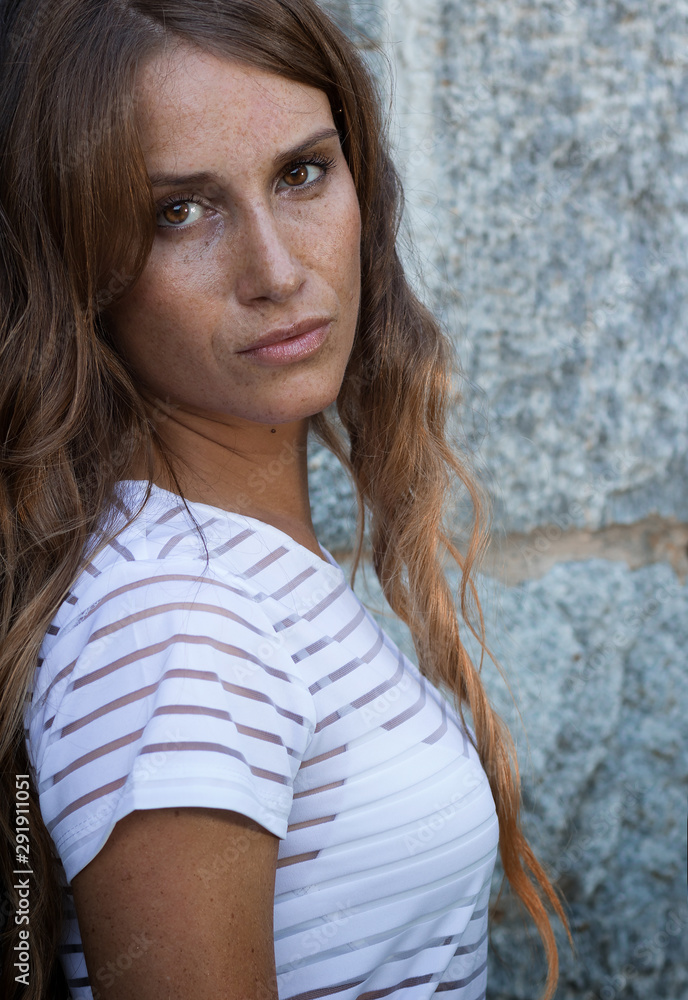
(267, 264)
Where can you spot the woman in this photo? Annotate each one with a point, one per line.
(239, 787)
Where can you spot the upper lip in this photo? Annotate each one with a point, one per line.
(286, 332)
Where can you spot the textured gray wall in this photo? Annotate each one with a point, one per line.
(543, 148)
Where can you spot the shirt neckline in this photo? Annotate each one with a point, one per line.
(263, 526)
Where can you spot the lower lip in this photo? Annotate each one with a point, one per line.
(290, 350)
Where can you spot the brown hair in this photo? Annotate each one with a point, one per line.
(76, 227)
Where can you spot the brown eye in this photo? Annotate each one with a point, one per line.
(176, 213)
(297, 176)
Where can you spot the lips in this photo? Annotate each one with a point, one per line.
(287, 332)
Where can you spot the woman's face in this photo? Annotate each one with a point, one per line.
(254, 236)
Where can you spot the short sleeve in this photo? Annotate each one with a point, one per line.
(170, 689)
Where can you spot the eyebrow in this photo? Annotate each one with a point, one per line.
(204, 176)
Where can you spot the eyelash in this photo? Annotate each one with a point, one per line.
(317, 160)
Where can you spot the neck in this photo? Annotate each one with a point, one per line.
(241, 466)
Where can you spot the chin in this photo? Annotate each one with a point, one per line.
(289, 412)
(292, 416)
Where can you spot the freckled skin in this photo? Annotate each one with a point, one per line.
(195, 887)
(259, 254)
(196, 916)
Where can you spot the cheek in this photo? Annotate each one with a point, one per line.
(353, 230)
(164, 303)
(344, 246)
(147, 331)
(351, 221)
(354, 248)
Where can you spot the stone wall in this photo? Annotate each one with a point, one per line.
(543, 149)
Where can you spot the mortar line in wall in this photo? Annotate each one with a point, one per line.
(514, 557)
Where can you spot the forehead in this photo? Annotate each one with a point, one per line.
(188, 99)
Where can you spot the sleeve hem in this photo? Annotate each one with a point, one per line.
(186, 792)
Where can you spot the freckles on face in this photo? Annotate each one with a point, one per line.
(250, 240)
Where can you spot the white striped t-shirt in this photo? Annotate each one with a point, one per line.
(261, 684)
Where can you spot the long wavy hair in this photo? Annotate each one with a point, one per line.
(77, 222)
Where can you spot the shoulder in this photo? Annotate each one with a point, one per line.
(164, 681)
(154, 618)
(150, 583)
(166, 531)
(141, 623)
(170, 573)
(178, 560)
(169, 556)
